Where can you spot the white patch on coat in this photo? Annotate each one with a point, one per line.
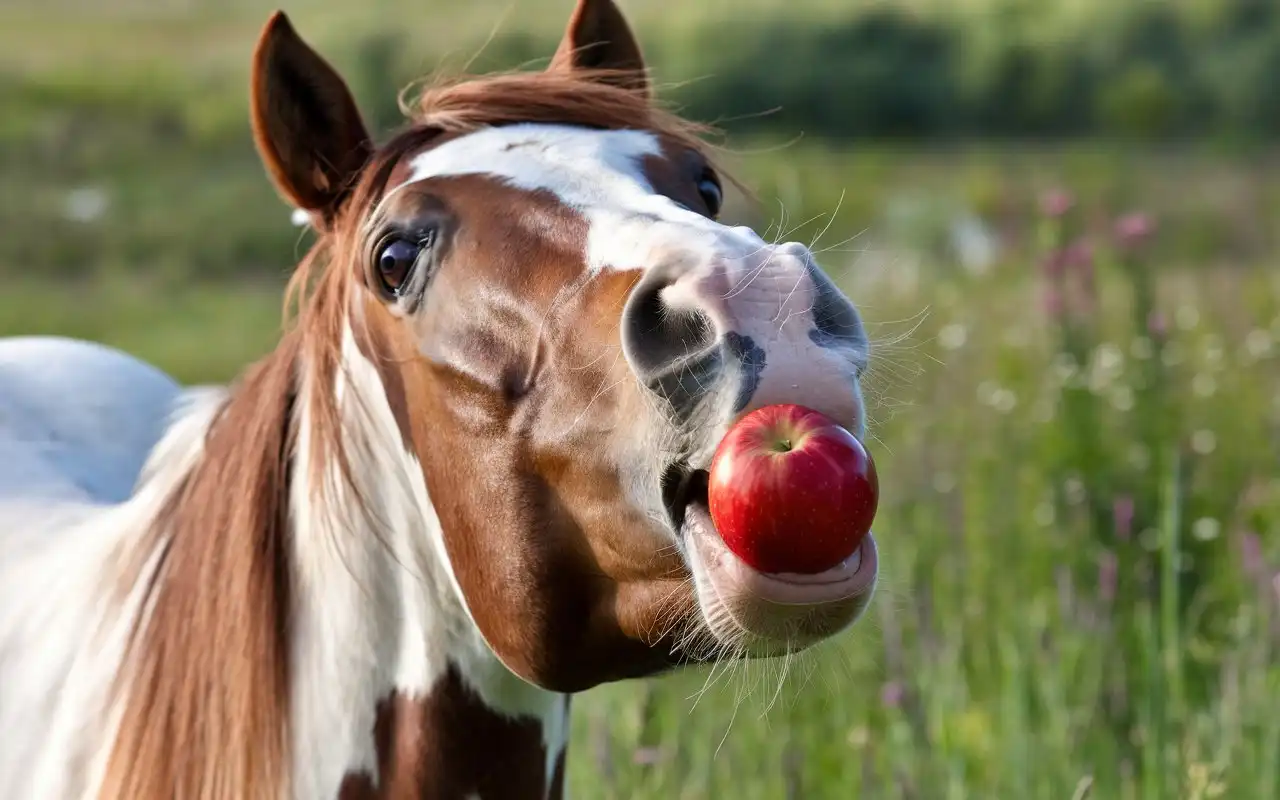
(599, 173)
(379, 607)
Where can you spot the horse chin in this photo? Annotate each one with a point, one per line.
(762, 614)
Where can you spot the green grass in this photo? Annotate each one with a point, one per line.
(199, 333)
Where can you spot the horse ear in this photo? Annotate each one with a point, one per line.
(306, 125)
(598, 37)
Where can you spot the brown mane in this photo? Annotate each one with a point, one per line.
(587, 98)
(208, 669)
(205, 679)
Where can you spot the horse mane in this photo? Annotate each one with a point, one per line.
(203, 688)
(587, 98)
(208, 662)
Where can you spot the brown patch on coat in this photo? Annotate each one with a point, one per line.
(450, 745)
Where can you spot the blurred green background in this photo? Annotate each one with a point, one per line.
(1059, 218)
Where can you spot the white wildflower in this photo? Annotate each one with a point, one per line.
(1205, 529)
(1122, 398)
(944, 482)
(85, 204)
(1258, 343)
(1043, 514)
(1204, 385)
(1204, 442)
(1109, 357)
(1004, 401)
(953, 336)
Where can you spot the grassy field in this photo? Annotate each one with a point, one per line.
(1078, 431)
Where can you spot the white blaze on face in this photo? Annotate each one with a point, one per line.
(599, 174)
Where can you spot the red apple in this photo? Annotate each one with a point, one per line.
(791, 490)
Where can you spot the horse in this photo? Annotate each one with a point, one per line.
(469, 482)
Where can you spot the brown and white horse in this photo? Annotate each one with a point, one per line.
(469, 481)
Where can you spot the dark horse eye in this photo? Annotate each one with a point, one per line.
(712, 194)
(396, 260)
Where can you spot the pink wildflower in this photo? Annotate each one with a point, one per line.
(1157, 325)
(1108, 576)
(1122, 512)
(1134, 229)
(1251, 555)
(1052, 302)
(1056, 203)
(891, 694)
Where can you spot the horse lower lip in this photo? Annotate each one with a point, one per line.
(853, 577)
(843, 571)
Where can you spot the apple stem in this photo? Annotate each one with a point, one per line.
(783, 446)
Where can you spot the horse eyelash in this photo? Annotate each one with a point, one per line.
(413, 292)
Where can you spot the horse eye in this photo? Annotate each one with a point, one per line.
(396, 260)
(711, 193)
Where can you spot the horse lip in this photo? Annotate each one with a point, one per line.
(834, 586)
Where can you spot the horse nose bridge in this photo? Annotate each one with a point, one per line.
(769, 288)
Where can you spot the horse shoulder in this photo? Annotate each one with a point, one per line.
(77, 419)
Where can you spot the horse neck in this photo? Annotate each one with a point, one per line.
(394, 691)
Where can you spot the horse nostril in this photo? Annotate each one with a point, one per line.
(667, 347)
(836, 319)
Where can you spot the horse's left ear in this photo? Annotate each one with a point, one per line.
(598, 37)
(306, 125)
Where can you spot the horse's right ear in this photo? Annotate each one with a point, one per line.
(306, 124)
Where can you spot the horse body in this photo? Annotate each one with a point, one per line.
(468, 482)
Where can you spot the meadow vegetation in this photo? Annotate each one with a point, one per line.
(1076, 394)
